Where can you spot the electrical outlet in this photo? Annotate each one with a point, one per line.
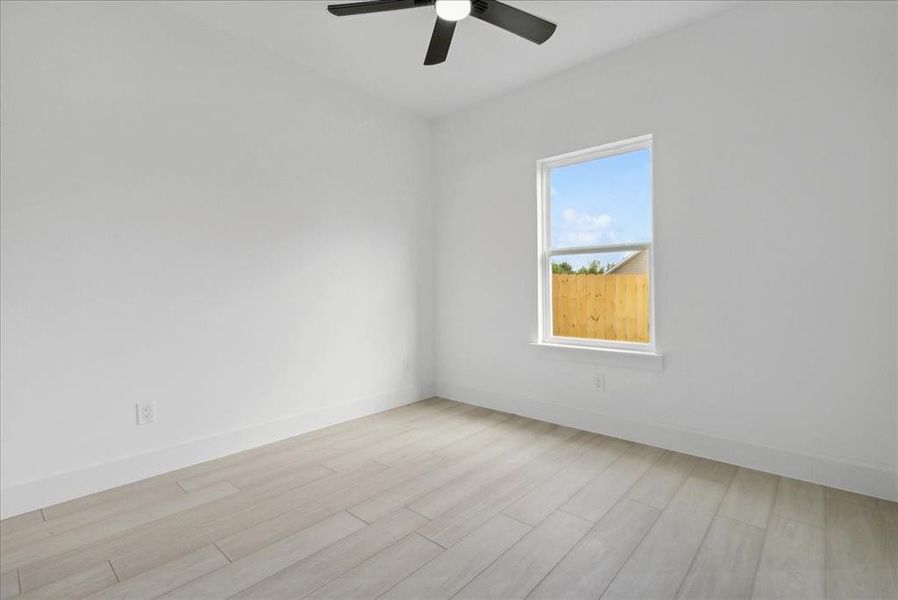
(600, 382)
(146, 413)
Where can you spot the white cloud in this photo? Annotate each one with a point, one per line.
(585, 221)
(580, 228)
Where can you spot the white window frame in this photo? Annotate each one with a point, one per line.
(546, 253)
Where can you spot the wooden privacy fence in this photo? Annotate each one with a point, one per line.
(607, 307)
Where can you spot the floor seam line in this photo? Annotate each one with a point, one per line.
(565, 555)
(701, 544)
(635, 546)
(365, 521)
(419, 568)
(217, 547)
(114, 574)
(776, 495)
(419, 514)
(507, 516)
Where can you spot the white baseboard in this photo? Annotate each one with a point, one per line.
(67, 485)
(864, 479)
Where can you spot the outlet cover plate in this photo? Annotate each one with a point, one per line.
(146, 413)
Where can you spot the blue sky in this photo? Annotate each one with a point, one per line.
(603, 201)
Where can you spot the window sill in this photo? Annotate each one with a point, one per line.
(632, 359)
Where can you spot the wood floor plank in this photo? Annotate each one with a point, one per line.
(382, 571)
(23, 538)
(307, 576)
(286, 480)
(42, 573)
(400, 441)
(21, 522)
(250, 570)
(104, 510)
(93, 514)
(249, 474)
(792, 562)
(274, 476)
(263, 535)
(276, 459)
(726, 562)
(889, 514)
(750, 497)
(515, 504)
(659, 484)
(536, 441)
(713, 471)
(501, 427)
(857, 559)
(393, 498)
(834, 496)
(428, 438)
(165, 578)
(561, 487)
(75, 587)
(662, 559)
(800, 501)
(123, 493)
(462, 519)
(9, 584)
(418, 410)
(251, 539)
(448, 573)
(463, 434)
(399, 416)
(88, 534)
(526, 563)
(134, 560)
(515, 426)
(604, 491)
(590, 566)
(156, 543)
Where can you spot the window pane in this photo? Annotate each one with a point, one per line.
(602, 201)
(601, 296)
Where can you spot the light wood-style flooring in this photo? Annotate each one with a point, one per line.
(444, 500)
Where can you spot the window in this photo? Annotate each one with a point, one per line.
(596, 254)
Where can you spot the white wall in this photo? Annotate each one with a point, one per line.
(191, 221)
(775, 146)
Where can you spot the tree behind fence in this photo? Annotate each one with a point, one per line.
(607, 307)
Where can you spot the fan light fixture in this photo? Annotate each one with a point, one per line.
(453, 10)
(450, 12)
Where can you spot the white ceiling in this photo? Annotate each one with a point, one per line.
(382, 53)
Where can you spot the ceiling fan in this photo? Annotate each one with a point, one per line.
(449, 12)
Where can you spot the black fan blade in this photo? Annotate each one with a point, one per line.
(361, 8)
(439, 42)
(511, 19)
